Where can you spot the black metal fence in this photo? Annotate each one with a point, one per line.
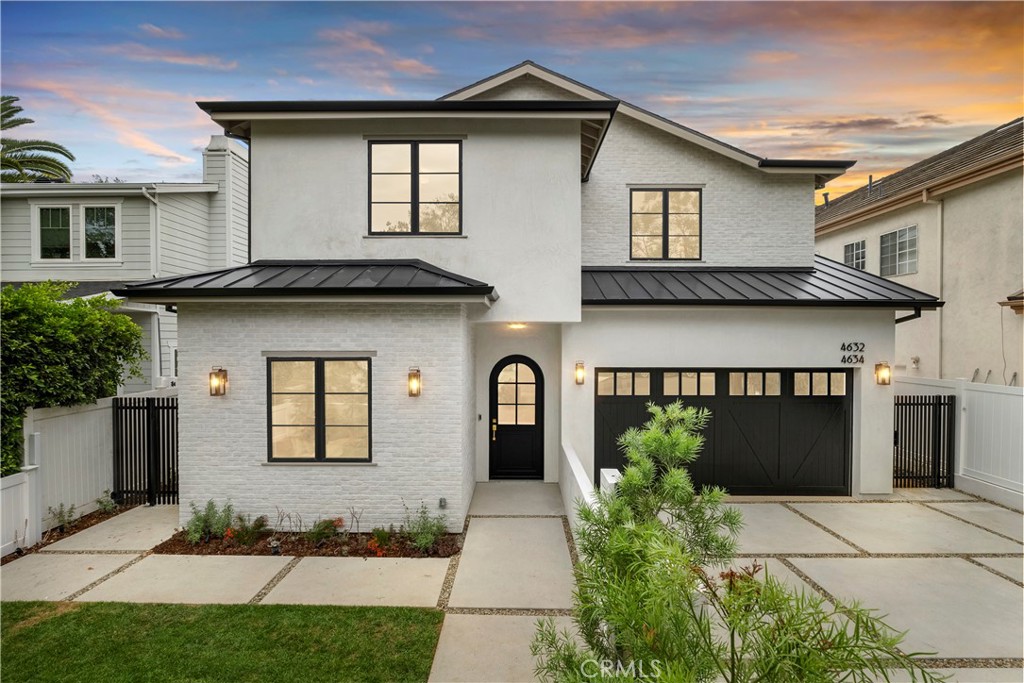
(924, 441)
(145, 450)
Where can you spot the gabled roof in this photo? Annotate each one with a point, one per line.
(293, 279)
(828, 283)
(991, 153)
(823, 170)
(236, 117)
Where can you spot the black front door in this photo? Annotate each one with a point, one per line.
(516, 424)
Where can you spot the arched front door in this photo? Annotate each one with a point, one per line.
(517, 419)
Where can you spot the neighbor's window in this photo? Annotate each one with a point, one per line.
(55, 232)
(665, 224)
(853, 254)
(99, 228)
(415, 188)
(319, 409)
(899, 251)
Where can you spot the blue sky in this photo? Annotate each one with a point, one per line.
(884, 83)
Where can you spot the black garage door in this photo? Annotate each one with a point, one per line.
(771, 431)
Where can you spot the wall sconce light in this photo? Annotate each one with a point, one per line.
(517, 326)
(883, 374)
(414, 382)
(581, 372)
(218, 382)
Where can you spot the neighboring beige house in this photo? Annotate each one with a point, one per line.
(950, 225)
(102, 235)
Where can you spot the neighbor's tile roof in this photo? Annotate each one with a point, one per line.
(996, 143)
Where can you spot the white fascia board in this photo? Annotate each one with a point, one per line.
(59, 190)
(228, 118)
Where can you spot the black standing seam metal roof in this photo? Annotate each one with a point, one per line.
(828, 283)
(314, 278)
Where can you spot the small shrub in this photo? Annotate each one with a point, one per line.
(63, 517)
(106, 503)
(423, 530)
(321, 532)
(247, 531)
(209, 522)
(382, 536)
(377, 548)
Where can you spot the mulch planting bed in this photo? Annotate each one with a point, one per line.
(296, 545)
(54, 535)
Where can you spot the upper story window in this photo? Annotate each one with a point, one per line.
(415, 188)
(665, 224)
(854, 253)
(898, 251)
(54, 233)
(97, 227)
(99, 232)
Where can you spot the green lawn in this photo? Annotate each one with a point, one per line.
(108, 642)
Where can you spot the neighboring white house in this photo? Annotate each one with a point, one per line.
(486, 285)
(102, 235)
(952, 225)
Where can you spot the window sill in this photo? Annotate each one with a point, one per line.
(75, 264)
(417, 235)
(318, 464)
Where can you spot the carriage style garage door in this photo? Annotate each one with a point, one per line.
(771, 431)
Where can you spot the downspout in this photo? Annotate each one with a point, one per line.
(248, 189)
(154, 229)
(941, 230)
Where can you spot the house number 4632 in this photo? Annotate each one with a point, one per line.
(853, 353)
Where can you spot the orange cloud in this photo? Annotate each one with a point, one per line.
(164, 33)
(773, 56)
(351, 52)
(142, 53)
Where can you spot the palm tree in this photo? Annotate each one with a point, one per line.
(25, 161)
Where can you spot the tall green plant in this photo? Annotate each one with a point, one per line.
(25, 161)
(59, 353)
(655, 599)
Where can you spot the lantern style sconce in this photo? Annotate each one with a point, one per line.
(883, 374)
(581, 372)
(414, 382)
(218, 382)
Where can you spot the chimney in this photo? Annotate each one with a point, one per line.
(871, 183)
(226, 163)
(825, 197)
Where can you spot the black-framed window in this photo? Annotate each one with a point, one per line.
(898, 251)
(854, 254)
(665, 224)
(318, 409)
(415, 187)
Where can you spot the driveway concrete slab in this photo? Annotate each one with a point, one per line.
(904, 528)
(357, 581)
(189, 579)
(137, 530)
(949, 605)
(774, 529)
(928, 495)
(516, 498)
(1008, 566)
(487, 648)
(776, 570)
(992, 517)
(55, 577)
(522, 563)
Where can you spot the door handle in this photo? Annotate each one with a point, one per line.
(494, 430)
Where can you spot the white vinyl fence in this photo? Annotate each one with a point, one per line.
(990, 435)
(573, 482)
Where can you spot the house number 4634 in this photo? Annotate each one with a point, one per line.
(853, 353)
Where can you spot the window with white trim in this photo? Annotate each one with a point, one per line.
(898, 251)
(854, 254)
(54, 232)
(99, 232)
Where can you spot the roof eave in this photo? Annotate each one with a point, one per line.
(801, 303)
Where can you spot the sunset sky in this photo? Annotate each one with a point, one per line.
(884, 83)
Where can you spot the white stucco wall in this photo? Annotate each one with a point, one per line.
(418, 444)
(976, 263)
(741, 338)
(520, 194)
(542, 343)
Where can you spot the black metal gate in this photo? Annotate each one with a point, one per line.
(145, 450)
(923, 442)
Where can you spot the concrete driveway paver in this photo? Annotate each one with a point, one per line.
(949, 605)
(770, 528)
(992, 517)
(904, 528)
(776, 570)
(514, 563)
(487, 648)
(55, 577)
(137, 530)
(516, 498)
(1008, 566)
(189, 579)
(414, 582)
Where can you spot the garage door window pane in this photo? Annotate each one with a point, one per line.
(754, 384)
(838, 384)
(623, 383)
(688, 382)
(671, 383)
(801, 384)
(606, 384)
(772, 384)
(819, 384)
(735, 383)
(642, 384)
(707, 384)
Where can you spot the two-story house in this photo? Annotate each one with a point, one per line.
(952, 224)
(102, 235)
(477, 287)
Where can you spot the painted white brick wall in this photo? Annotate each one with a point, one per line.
(419, 444)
